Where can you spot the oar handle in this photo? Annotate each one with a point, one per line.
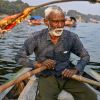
(21, 78)
(86, 80)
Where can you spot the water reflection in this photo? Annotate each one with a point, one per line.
(7, 70)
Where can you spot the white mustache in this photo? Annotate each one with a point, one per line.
(58, 29)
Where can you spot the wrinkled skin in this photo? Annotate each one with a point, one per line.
(49, 63)
(69, 72)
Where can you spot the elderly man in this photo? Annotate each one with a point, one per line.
(52, 48)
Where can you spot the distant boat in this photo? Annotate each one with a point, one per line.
(36, 17)
(35, 20)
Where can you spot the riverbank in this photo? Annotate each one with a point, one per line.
(2, 16)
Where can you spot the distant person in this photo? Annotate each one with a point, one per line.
(70, 22)
(73, 20)
(35, 20)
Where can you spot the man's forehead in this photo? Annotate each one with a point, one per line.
(56, 16)
(56, 13)
(56, 20)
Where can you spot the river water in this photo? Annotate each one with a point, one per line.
(89, 34)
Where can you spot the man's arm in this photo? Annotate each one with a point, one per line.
(80, 51)
(23, 54)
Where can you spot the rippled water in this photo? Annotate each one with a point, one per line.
(9, 45)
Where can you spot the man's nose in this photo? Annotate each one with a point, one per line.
(59, 24)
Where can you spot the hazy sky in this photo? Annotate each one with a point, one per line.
(83, 7)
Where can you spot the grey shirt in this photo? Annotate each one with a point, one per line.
(40, 43)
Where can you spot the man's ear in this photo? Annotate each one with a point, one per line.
(46, 22)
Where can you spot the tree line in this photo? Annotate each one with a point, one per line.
(8, 7)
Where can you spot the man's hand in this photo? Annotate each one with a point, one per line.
(49, 63)
(69, 72)
(37, 64)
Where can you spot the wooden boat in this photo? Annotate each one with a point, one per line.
(29, 91)
(31, 87)
(93, 72)
(3, 94)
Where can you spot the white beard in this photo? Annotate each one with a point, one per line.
(56, 32)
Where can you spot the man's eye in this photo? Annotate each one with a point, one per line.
(55, 21)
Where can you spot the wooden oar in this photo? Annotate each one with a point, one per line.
(38, 70)
(26, 12)
(21, 78)
(85, 80)
(23, 15)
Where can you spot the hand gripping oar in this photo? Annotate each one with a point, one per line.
(85, 80)
(38, 70)
(28, 10)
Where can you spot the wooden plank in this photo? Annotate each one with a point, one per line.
(88, 69)
(29, 91)
(97, 92)
(22, 71)
(92, 73)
